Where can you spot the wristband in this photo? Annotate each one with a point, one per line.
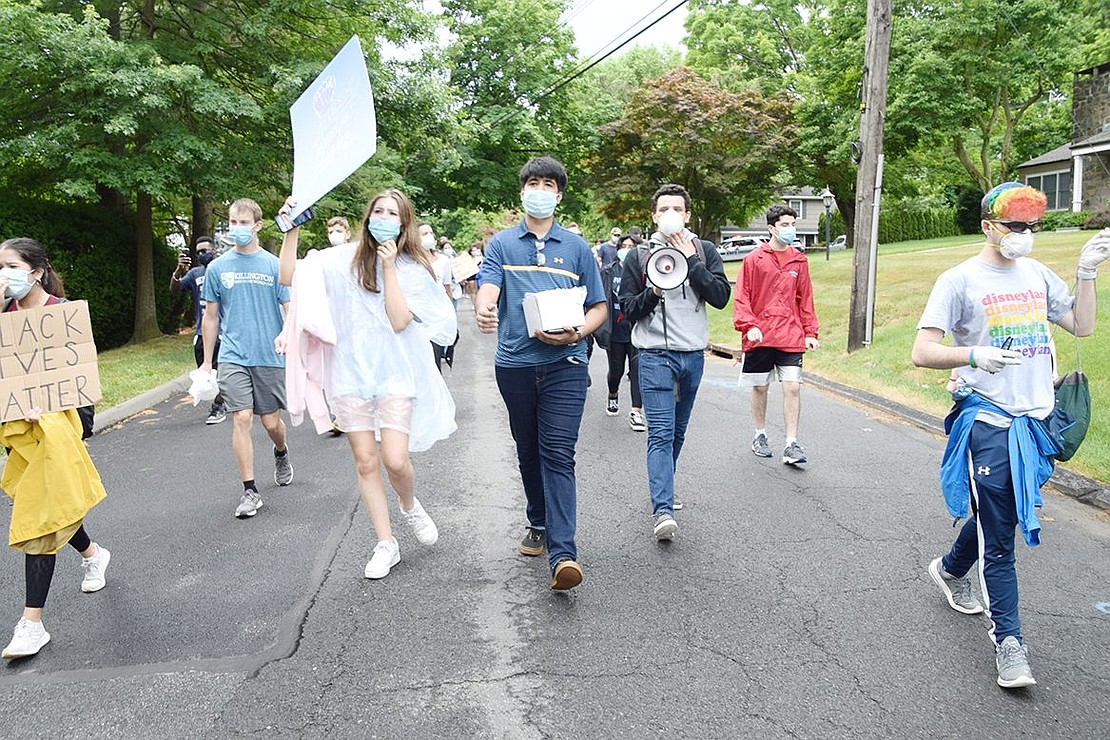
(971, 358)
(1086, 274)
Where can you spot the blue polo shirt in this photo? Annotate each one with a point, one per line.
(510, 264)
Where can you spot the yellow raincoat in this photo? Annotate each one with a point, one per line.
(51, 480)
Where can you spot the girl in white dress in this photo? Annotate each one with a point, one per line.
(380, 377)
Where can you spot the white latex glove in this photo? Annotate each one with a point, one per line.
(993, 359)
(1093, 254)
(755, 336)
(203, 387)
(812, 343)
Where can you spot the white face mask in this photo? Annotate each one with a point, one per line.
(622, 253)
(428, 241)
(1016, 245)
(336, 238)
(670, 222)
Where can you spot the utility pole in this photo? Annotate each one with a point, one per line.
(869, 181)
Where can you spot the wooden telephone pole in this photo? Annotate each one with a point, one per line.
(869, 180)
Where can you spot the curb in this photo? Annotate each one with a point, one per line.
(1079, 487)
(110, 417)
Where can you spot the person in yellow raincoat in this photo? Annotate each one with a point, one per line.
(49, 476)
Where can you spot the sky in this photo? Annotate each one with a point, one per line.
(597, 23)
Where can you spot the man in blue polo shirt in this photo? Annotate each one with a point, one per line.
(542, 377)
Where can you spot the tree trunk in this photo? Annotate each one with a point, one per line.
(201, 222)
(146, 317)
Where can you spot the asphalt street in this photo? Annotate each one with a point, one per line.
(794, 603)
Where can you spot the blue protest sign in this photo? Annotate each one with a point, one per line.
(334, 130)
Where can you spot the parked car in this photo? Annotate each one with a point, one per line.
(840, 242)
(738, 247)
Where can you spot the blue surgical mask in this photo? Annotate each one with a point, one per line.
(383, 230)
(242, 235)
(19, 282)
(539, 203)
(787, 235)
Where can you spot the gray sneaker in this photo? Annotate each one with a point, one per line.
(665, 527)
(1012, 659)
(958, 591)
(283, 468)
(793, 454)
(760, 446)
(249, 505)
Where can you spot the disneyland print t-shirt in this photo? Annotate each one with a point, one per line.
(981, 305)
(250, 297)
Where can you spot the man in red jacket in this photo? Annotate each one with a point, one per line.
(773, 311)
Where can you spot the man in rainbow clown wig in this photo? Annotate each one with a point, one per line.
(996, 309)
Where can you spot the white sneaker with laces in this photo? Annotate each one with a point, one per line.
(422, 525)
(28, 639)
(386, 555)
(94, 570)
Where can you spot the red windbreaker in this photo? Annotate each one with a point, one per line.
(777, 300)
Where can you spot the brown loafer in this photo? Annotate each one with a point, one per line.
(567, 575)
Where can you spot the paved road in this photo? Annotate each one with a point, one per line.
(794, 603)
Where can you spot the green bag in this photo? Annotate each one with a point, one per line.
(1073, 397)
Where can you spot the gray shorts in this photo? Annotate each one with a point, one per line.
(261, 389)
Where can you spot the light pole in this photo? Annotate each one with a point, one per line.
(827, 199)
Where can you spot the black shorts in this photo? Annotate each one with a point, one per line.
(761, 362)
(198, 351)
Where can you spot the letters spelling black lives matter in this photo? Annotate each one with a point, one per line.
(47, 360)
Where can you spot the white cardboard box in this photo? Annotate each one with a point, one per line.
(552, 310)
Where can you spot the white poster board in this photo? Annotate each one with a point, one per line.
(334, 129)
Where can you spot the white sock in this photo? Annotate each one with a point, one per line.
(791, 440)
(761, 431)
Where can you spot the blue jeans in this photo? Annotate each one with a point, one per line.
(992, 494)
(669, 383)
(545, 405)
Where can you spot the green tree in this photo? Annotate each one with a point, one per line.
(724, 147)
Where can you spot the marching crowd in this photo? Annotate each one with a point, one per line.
(355, 336)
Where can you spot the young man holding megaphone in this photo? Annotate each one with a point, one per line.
(664, 288)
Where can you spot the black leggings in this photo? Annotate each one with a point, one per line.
(39, 570)
(618, 352)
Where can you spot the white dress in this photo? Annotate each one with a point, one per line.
(372, 362)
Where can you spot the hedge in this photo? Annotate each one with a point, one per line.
(93, 250)
(898, 224)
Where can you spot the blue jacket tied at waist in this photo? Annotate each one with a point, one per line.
(1031, 449)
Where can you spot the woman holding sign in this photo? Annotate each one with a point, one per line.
(49, 475)
(361, 319)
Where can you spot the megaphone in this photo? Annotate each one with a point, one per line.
(667, 267)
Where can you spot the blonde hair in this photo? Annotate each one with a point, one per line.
(365, 262)
(248, 205)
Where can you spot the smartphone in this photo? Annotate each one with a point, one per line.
(284, 223)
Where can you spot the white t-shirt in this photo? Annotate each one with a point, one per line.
(980, 304)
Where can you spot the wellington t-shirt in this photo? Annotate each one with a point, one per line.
(250, 297)
(982, 305)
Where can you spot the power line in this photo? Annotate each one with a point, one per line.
(582, 70)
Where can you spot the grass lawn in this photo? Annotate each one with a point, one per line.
(127, 371)
(906, 272)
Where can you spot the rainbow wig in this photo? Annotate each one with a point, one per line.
(1012, 201)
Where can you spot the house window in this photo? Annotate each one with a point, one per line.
(799, 207)
(1056, 186)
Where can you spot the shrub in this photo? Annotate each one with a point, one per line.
(1064, 219)
(969, 203)
(1100, 219)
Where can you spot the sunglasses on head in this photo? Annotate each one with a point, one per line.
(1020, 226)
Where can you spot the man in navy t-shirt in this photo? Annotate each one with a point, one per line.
(193, 281)
(542, 376)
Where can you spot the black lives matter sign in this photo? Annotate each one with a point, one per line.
(47, 360)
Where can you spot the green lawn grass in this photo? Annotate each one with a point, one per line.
(127, 371)
(906, 272)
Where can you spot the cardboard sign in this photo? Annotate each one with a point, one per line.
(47, 360)
(463, 267)
(334, 129)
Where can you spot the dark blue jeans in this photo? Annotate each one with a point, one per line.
(545, 405)
(989, 536)
(669, 383)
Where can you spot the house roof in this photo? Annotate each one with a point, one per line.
(1100, 138)
(1061, 153)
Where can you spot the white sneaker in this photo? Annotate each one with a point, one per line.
(386, 555)
(28, 639)
(94, 570)
(422, 525)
